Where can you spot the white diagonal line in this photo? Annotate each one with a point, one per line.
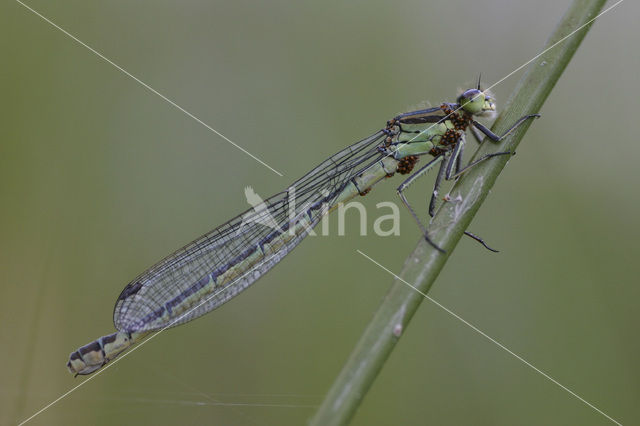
(139, 345)
(500, 345)
(555, 44)
(146, 86)
(525, 64)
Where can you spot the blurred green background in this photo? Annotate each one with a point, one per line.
(99, 178)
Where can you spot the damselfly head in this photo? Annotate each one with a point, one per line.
(476, 102)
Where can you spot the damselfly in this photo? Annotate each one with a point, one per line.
(222, 263)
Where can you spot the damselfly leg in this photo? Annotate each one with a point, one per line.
(404, 185)
(454, 161)
(494, 137)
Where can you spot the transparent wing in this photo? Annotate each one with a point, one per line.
(220, 264)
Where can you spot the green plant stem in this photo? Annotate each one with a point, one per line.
(423, 265)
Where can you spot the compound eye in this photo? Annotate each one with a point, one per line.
(471, 93)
